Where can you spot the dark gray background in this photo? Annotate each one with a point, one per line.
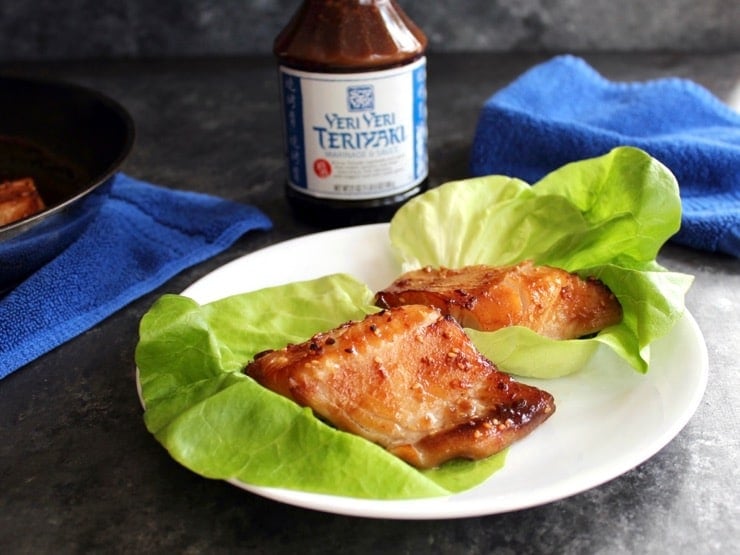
(100, 29)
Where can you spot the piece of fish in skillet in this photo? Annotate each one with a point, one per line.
(410, 380)
(19, 199)
(549, 301)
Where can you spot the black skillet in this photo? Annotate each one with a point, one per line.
(71, 140)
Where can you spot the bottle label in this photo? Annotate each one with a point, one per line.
(355, 136)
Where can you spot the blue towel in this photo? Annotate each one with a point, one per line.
(563, 110)
(143, 235)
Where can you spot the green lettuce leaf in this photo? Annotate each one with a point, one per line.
(605, 217)
(220, 423)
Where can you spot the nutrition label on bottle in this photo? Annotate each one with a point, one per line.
(353, 136)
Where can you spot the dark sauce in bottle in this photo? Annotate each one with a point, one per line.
(353, 91)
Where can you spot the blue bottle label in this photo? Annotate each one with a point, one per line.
(355, 136)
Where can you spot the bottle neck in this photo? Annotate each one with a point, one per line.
(349, 35)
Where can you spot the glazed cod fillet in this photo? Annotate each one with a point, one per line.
(549, 301)
(19, 199)
(410, 380)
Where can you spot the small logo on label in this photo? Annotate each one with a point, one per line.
(360, 98)
(322, 167)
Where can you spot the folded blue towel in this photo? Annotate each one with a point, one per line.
(563, 110)
(143, 235)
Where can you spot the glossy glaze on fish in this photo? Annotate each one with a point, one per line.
(549, 301)
(410, 380)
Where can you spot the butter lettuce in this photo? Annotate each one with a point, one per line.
(221, 424)
(605, 217)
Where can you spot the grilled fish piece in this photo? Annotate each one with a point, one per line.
(19, 199)
(410, 380)
(549, 301)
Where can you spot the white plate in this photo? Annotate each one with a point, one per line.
(609, 418)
